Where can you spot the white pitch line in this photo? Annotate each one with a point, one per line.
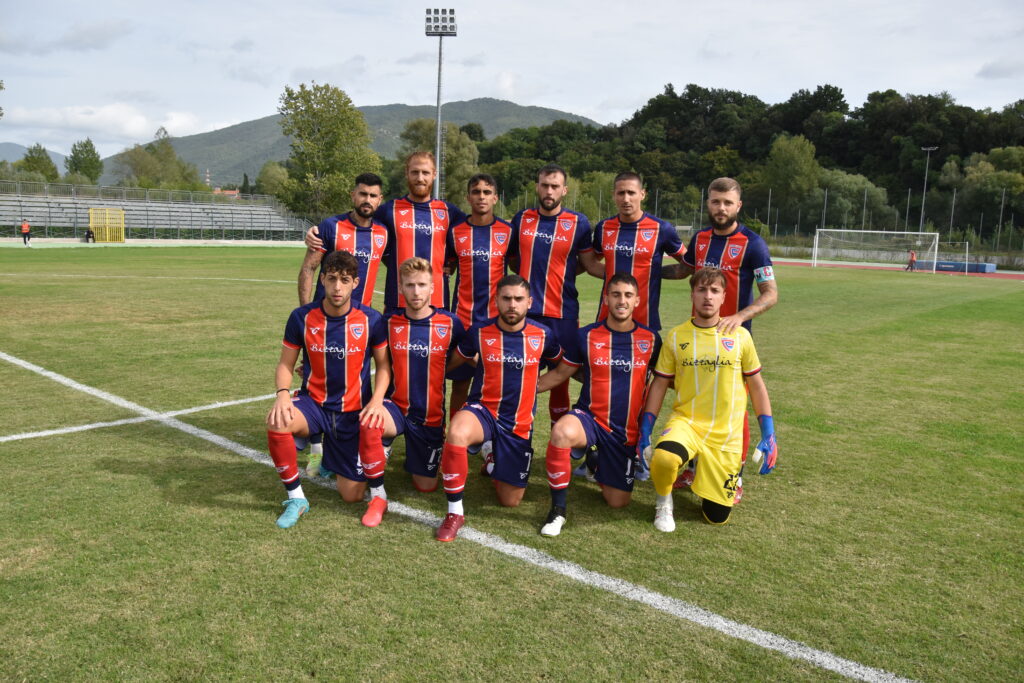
(625, 589)
(130, 420)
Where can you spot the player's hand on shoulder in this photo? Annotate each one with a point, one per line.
(312, 239)
(729, 323)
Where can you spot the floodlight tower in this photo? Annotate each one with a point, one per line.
(440, 23)
(924, 197)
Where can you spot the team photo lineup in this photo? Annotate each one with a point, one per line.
(509, 329)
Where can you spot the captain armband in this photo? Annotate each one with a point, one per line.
(764, 274)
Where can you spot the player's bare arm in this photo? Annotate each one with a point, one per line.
(306, 274)
(312, 239)
(768, 297)
(676, 271)
(656, 394)
(592, 263)
(373, 413)
(283, 412)
(555, 376)
(759, 394)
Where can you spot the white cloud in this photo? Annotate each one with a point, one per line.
(79, 38)
(126, 119)
(1002, 68)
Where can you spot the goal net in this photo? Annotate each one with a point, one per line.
(875, 247)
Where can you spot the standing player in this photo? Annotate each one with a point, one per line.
(417, 226)
(742, 255)
(633, 242)
(509, 351)
(421, 339)
(912, 261)
(709, 368)
(359, 234)
(337, 337)
(355, 232)
(26, 233)
(479, 247)
(551, 243)
(615, 356)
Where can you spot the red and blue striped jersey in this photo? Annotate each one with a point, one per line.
(738, 255)
(419, 353)
(508, 369)
(337, 353)
(548, 249)
(480, 253)
(339, 233)
(417, 229)
(637, 248)
(616, 367)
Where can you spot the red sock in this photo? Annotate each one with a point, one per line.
(558, 401)
(559, 471)
(371, 451)
(282, 452)
(454, 468)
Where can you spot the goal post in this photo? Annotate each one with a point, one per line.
(955, 257)
(107, 224)
(875, 248)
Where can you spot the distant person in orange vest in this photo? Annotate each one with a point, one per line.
(26, 232)
(912, 262)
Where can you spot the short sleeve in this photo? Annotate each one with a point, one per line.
(688, 256)
(468, 346)
(595, 238)
(293, 330)
(378, 331)
(666, 365)
(671, 245)
(552, 349)
(585, 241)
(328, 231)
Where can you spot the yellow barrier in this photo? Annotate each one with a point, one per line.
(107, 224)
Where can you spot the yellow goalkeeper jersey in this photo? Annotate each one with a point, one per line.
(708, 368)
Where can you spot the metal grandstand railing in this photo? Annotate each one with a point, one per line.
(61, 211)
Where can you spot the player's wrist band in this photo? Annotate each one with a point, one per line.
(280, 390)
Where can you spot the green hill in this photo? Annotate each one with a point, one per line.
(245, 147)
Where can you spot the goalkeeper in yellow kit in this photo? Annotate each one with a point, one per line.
(708, 369)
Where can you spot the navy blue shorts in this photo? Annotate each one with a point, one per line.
(423, 444)
(512, 454)
(341, 447)
(564, 329)
(614, 458)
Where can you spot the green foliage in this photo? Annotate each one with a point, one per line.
(475, 131)
(37, 160)
(246, 188)
(85, 160)
(330, 146)
(156, 165)
(460, 155)
(272, 179)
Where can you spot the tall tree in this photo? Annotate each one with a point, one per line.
(330, 147)
(157, 165)
(38, 160)
(272, 179)
(84, 159)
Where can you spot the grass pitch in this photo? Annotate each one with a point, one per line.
(890, 534)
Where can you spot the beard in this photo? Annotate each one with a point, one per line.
(364, 210)
(550, 203)
(724, 222)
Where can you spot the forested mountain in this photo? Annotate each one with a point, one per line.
(245, 147)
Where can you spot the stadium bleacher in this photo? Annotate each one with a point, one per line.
(63, 211)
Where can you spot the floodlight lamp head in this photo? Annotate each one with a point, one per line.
(440, 22)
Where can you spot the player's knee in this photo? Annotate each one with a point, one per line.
(563, 434)
(424, 484)
(715, 513)
(615, 498)
(669, 454)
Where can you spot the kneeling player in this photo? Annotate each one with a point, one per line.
(709, 368)
(338, 337)
(614, 356)
(502, 402)
(420, 338)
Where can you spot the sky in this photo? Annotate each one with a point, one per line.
(117, 71)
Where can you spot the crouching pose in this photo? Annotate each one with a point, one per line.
(613, 359)
(709, 368)
(338, 338)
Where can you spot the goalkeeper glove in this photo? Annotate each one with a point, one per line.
(643, 447)
(767, 447)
